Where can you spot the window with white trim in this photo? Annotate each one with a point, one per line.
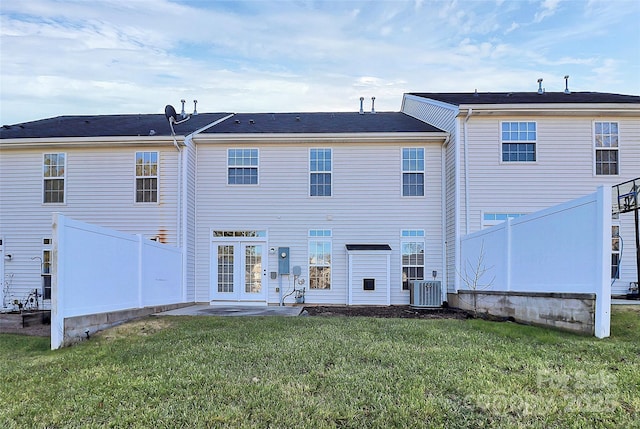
(615, 251)
(412, 172)
(490, 219)
(242, 166)
(320, 259)
(146, 177)
(606, 141)
(518, 141)
(46, 268)
(412, 246)
(320, 166)
(53, 174)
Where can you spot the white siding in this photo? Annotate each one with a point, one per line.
(563, 170)
(100, 186)
(366, 206)
(443, 116)
(369, 265)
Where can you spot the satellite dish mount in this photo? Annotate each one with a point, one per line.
(172, 117)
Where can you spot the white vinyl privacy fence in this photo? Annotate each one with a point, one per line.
(551, 267)
(102, 276)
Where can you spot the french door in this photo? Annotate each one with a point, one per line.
(239, 271)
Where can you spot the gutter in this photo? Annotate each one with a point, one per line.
(183, 196)
(466, 172)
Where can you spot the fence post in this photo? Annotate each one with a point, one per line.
(57, 280)
(603, 261)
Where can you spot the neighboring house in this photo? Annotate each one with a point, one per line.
(354, 199)
(516, 153)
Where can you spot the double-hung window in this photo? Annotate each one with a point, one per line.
(412, 172)
(320, 259)
(146, 177)
(606, 147)
(53, 174)
(412, 246)
(242, 166)
(518, 141)
(320, 172)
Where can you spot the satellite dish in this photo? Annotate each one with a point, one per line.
(170, 112)
(172, 117)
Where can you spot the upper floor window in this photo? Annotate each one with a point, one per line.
(53, 177)
(320, 259)
(413, 172)
(146, 177)
(320, 172)
(242, 166)
(518, 141)
(606, 147)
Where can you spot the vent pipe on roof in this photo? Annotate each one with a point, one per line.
(183, 113)
(195, 110)
(566, 84)
(373, 101)
(540, 90)
(361, 107)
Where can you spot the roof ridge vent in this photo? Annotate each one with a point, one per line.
(475, 94)
(566, 84)
(540, 90)
(373, 101)
(183, 113)
(361, 107)
(195, 110)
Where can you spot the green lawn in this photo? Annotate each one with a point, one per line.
(316, 372)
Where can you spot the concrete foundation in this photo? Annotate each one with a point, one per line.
(568, 311)
(76, 328)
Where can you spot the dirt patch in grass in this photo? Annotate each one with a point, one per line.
(141, 327)
(394, 311)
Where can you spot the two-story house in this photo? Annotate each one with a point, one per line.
(347, 205)
(513, 153)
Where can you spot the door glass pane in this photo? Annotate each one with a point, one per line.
(253, 269)
(225, 268)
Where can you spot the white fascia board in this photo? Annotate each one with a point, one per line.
(438, 103)
(555, 109)
(297, 138)
(32, 143)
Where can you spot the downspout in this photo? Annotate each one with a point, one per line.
(183, 195)
(179, 212)
(443, 204)
(466, 172)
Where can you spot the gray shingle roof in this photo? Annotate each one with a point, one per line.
(328, 122)
(458, 98)
(157, 124)
(105, 126)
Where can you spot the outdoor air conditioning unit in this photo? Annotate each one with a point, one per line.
(425, 294)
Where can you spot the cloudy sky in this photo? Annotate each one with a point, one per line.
(64, 57)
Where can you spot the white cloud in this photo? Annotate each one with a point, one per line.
(549, 8)
(127, 57)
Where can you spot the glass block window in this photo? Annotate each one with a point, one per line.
(320, 259)
(320, 172)
(606, 148)
(242, 166)
(413, 172)
(146, 177)
(53, 174)
(518, 141)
